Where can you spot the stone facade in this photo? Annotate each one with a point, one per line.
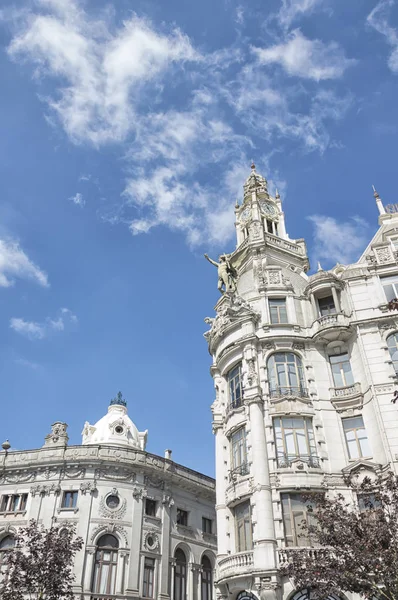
(157, 512)
(305, 368)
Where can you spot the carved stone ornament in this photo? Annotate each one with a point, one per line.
(251, 374)
(154, 483)
(88, 486)
(45, 490)
(232, 309)
(73, 472)
(19, 476)
(167, 500)
(151, 541)
(106, 509)
(113, 473)
(109, 528)
(384, 255)
(255, 230)
(139, 493)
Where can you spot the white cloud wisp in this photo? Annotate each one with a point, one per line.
(378, 19)
(14, 263)
(38, 331)
(339, 242)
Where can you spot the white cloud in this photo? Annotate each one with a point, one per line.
(290, 10)
(27, 363)
(38, 331)
(336, 241)
(311, 59)
(14, 263)
(78, 199)
(378, 19)
(102, 73)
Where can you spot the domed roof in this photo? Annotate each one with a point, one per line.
(115, 428)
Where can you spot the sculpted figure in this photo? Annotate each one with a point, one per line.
(226, 273)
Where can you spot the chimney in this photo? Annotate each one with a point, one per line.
(167, 454)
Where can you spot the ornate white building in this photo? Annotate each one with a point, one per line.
(148, 523)
(305, 368)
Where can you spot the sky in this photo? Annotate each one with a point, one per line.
(127, 129)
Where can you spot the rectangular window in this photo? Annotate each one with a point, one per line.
(182, 517)
(294, 438)
(149, 576)
(394, 242)
(150, 507)
(243, 527)
(235, 386)
(390, 286)
(277, 310)
(341, 370)
(326, 306)
(207, 525)
(13, 502)
(356, 438)
(295, 511)
(239, 452)
(69, 500)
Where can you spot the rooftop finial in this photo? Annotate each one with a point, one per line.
(118, 400)
(375, 192)
(253, 166)
(319, 266)
(277, 196)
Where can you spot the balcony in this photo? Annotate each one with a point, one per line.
(104, 597)
(236, 564)
(331, 327)
(291, 460)
(239, 471)
(311, 554)
(285, 393)
(238, 403)
(347, 397)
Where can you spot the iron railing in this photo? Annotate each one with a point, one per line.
(279, 391)
(286, 460)
(240, 470)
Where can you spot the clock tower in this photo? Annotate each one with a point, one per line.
(260, 214)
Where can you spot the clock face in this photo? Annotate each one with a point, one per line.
(246, 214)
(268, 209)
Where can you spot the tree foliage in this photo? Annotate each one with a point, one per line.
(40, 566)
(356, 545)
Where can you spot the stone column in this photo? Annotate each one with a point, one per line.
(264, 531)
(167, 502)
(314, 306)
(336, 299)
(132, 588)
(121, 562)
(89, 566)
(221, 507)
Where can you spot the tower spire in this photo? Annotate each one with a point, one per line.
(379, 202)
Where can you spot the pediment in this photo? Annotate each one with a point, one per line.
(360, 469)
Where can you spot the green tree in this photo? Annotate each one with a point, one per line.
(356, 546)
(40, 565)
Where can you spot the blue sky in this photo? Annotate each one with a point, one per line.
(127, 130)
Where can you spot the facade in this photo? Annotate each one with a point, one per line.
(148, 524)
(305, 368)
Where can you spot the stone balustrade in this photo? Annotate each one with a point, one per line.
(239, 563)
(349, 396)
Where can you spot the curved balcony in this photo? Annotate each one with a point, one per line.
(308, 553)
(350, 396)
(236, 564)
(282, 392)
(331, 327)
(286, 461)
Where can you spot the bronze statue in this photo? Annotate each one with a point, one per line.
(227, 275)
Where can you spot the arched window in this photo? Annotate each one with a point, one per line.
(206, 579)
(6, 544)
(392, 343)
(286, 375)
(180, 575)
(306, 595)
(104, 577)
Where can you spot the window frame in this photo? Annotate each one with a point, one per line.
(151, 502)
(238, 441)
(276, 310)
(328, 306)
(391, 280)
(72, 504)
(243, 523)
(180, 576)
(206, 579)
(235, 387)
(283, 456)
(393, 349)
(278, 371)
(7, 504)
(148, 579)
(109, 565)
(341, 372)
(207, 525)
(357, 439)
(182, 513)
(290, 516)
